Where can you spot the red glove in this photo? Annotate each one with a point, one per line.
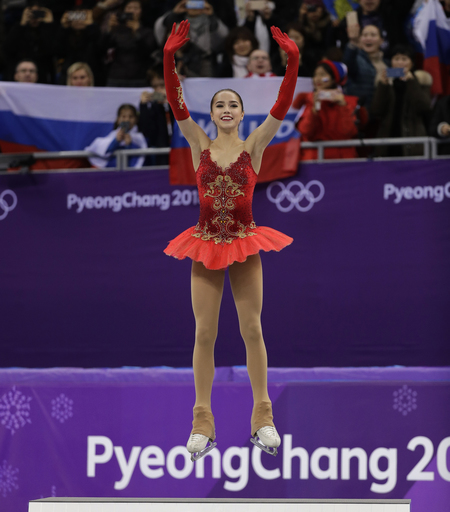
(173, 87)
(287, 88)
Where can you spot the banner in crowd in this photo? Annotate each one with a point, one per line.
(280, 158)
(432, 30)
(122, 433)
(35, 117)
(366, 280)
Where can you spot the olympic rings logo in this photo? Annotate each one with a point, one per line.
(5, 207)
(312, 192)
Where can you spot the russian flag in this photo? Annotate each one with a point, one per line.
(280, 158)
(36, 117)
(432, 30)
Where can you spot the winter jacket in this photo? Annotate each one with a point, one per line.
(331, 122)
(409, 106)
(441, 114)
(361, 75)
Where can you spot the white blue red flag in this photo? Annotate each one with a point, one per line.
(432, 30)
(35, 117)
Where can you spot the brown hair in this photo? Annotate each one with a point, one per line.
(230, 90)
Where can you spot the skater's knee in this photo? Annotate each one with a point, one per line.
(252, 332)
(205, 335)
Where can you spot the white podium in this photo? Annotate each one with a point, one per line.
(214, 505)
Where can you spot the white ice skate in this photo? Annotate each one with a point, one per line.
(197, 446)
(267, 439)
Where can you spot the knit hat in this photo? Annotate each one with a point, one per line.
(338, 70)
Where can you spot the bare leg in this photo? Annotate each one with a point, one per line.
(247, 288)
(206, 289)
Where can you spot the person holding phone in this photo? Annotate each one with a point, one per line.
(402, 103)
(155, 116)
(207, 34)
(129, 46)
(317, 27)
(78, 40)
(33, 38)
(125, 135)
(227, 238)
(328, 114)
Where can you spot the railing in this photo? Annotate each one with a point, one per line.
(23, 161)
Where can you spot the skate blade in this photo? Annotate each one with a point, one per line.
(198, 455)
(268, 449)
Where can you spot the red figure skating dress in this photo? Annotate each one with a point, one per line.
(225, 232)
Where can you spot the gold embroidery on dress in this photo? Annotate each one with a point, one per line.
(224, 192)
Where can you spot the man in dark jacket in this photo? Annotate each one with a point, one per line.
(440, 124)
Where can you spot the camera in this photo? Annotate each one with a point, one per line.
(159, 96)
(195, 4)
(325, 95)
(76, 16)
(38, 14)
(395, 72)
(125, 126)
(311, 8)
(124, 17)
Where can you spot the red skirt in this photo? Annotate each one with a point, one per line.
(220, 256)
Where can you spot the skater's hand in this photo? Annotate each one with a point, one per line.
(177, 38)
(285, 42)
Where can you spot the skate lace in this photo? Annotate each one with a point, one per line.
(196, 437)
(269, 432)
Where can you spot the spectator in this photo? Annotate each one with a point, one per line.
(440, 124)
(328, 114)
(259, 22)
(78, 40)
(155, 117)
(26, 71)
(317, 27)
(131, 45)
(125, 135)
(307, 58)
(33, 39)
(259, 65)
(390, 16)
(80, 75)
(239, 43)
(403, 104)
(12, 12)
(364, 60)
(207, 33)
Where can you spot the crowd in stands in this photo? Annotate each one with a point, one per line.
(350, 54)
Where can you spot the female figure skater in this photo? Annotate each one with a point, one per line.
(227, 237)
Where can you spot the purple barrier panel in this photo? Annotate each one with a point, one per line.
(85, 282)
(339, 440)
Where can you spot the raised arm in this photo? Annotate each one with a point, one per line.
(195, 136)
(260, 138)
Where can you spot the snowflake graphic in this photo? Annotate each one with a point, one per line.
(62, 408)
(405, 400)
(8, 478)
(14, 410)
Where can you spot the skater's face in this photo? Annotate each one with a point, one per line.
(226, 110)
